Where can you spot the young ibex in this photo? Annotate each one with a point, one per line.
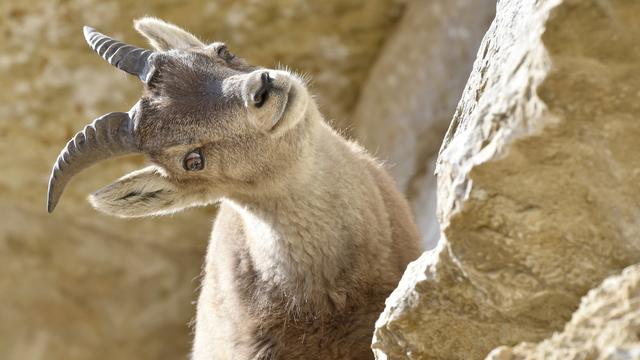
(311, 236)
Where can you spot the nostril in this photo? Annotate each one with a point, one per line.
(260, 97)
(266, 79)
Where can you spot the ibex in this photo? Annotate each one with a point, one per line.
(311, 234)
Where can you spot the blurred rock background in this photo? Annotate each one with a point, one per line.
(80, 285)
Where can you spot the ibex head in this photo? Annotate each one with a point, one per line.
(210, 122)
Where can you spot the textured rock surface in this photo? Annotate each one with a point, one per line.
(537, 184)
(408, 99)
(606, 326)
(80, 285)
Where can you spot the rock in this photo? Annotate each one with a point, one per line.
(537, 184)
(412, 90)
(81, 285)
(605, 326)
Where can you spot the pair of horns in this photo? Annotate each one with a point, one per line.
(109, 135)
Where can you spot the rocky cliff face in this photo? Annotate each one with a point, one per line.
(537, 184)
(78, 284)
(605, 326)
(412, 91)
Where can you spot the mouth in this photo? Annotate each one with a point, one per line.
(289, 98)
(284, 98)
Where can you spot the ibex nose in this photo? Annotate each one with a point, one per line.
(261, 95)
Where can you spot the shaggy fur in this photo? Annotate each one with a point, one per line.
(312, 234)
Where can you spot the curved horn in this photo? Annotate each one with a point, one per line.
(108, 136)
(134, 60)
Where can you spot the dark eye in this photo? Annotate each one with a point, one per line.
(224, 53)
(194, 161)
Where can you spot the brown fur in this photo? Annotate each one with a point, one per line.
(312, 234)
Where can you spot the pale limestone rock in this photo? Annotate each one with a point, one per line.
(538, 184)
(81, 285)
(412, 90)
(606, 326)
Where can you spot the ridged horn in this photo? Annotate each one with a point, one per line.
(107, 136)
(131, 59)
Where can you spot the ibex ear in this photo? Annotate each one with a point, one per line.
(164, 36)
(145, 192)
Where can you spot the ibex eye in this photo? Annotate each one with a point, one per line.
(194, 161)
(224, 53)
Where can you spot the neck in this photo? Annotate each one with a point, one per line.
(297, 240)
